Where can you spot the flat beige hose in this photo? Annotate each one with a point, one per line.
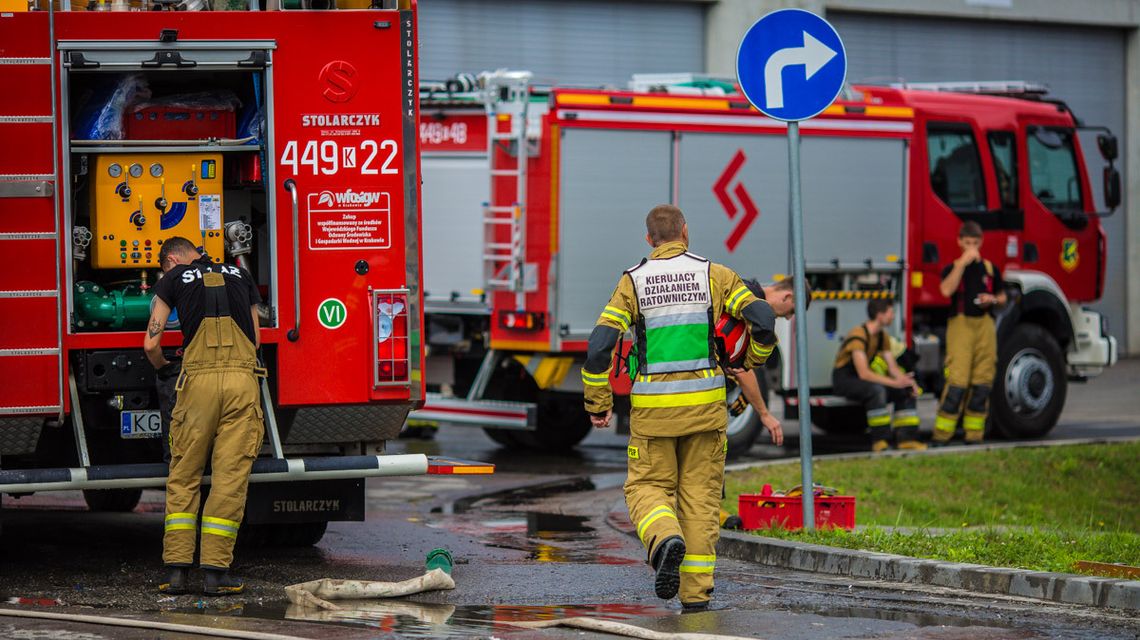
(152, 625)
(622, 629)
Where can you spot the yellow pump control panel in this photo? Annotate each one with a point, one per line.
(140, 200)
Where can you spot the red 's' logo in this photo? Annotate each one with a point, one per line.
(338, 78)
(720, 190)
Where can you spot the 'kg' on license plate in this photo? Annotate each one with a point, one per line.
(140, 424)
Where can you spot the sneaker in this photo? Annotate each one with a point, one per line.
(177, 579)
(912, 445)
(880, 446)
(219, 582)
(667, 564)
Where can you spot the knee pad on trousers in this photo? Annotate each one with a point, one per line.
(952, 403)
(979, 398)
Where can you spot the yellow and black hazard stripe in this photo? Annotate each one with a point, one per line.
(852, 295)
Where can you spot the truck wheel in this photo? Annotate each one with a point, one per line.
(562, 423)
(503, 437)
(1030, 386)
(743, 429)
(115, 500)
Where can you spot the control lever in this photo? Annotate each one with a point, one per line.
(137, 218)
(160, 202)
(123, 190)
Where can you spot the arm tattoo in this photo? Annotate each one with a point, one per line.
(155, 328)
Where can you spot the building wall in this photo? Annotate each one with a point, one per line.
(1088, 52)
(589, 42)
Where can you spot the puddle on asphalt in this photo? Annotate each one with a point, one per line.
(917, 618)
(544, 537)
(432, 620)
(524, 495)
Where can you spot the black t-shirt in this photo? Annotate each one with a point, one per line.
(182, 289)
(976, 278)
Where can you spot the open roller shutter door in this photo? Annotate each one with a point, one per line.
(585, 42)
(1084, 66)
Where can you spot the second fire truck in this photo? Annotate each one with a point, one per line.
(556, 182)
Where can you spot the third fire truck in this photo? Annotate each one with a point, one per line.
(534, 208)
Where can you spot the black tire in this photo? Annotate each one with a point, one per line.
(562, 423)
(112, 500)
(745, 428)
(1030, 386)
(503, 437)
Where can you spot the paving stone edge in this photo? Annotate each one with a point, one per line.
(1065, 588)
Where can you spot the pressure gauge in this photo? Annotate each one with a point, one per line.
(115, 170)
(156, 170)
(136, 170)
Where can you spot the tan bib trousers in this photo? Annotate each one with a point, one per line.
(217, 419)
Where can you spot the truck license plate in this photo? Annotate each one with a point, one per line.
(140, 424)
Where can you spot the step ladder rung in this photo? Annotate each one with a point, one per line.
(499, 283)
(495, 246)
(37, 293)
(505, 172)
(498, 221)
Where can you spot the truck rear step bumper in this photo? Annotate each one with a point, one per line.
(480, 413)
(133, 476)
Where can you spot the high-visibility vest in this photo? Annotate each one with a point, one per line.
(674, 331)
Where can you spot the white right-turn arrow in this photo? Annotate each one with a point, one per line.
(813, 56)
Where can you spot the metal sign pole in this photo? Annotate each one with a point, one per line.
(803, 392)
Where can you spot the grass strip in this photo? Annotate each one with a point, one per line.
(1040, 508)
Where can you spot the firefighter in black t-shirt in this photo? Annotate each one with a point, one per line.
(217, 416)
(974, 287)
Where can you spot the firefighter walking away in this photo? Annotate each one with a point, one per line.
(974, 286)
(217, 417)
(678, 418)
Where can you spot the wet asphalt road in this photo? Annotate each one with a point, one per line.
(522, 554)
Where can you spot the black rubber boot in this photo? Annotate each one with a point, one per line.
(667, 564)
(176, 581)
(219, 582)
(694, 607)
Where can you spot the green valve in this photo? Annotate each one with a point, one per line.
(122, 243)
(439, 559)
(123, 256)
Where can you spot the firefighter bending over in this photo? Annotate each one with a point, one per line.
(854, 378)
(733, 341)
(974, 287)
(678, 420)
(217, 417)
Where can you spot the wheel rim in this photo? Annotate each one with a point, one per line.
(737, 424)
(1028, 383)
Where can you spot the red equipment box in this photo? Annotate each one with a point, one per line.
(179, 123)
(764, 511)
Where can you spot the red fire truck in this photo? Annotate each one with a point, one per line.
(284, 141)
(565, 176)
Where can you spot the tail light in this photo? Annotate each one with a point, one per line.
(393, 341)
(521, 320)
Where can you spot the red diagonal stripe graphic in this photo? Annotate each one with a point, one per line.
(750, 215)
(720, 189)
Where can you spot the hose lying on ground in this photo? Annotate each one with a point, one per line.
(150, 625)
(621, 629)
(431, 614)
(317, 593)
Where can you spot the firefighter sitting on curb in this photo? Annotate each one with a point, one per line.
(733, 342)
(853, 378)
(217, 417)
(974, 287)
(678, 420)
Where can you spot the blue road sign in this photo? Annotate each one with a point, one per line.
(791, 64)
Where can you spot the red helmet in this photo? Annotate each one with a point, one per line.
(732, 337)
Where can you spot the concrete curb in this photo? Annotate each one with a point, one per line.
(1064, 588)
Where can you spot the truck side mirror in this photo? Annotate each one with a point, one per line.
(1111, 187)
(1106, 142)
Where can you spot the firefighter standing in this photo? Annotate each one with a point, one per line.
(974, 287)
(678, 418)
(217, 417)
(853, 377)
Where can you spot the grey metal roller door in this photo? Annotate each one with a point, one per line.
(1084, 66)
(583, 42)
